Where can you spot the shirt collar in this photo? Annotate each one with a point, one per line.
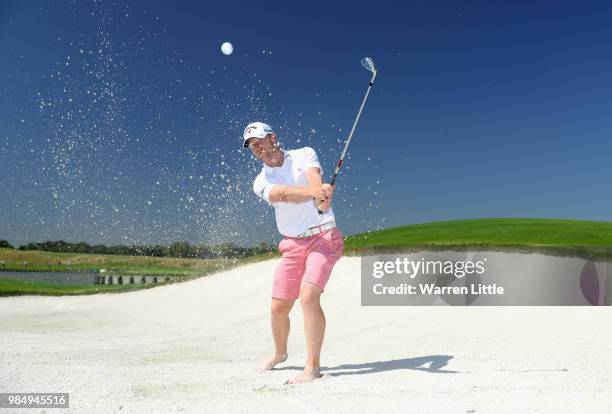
(287, 156)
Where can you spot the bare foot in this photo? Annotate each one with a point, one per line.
(307, 375)
(274, 361)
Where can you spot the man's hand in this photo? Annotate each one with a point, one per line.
(324, 196)
(323, 205)
(323, 191)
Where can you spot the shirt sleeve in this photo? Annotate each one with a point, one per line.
(262, 188)
(311, 159)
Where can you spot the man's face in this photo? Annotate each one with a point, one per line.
(262, 148)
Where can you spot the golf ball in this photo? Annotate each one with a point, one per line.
(227, 48)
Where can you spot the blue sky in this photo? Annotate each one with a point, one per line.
(121, 121)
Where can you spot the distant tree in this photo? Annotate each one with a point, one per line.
(262, 247)
(155, 251)
(6, 244)
(29, 246)
(99, 249)
(81, 248)
(203, 252)
(180, 249)
(54, 246)
(120, 249)
(176, 249)
(228, 250)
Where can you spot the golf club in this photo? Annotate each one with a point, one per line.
(367, 63)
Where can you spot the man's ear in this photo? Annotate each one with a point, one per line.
(273, 138)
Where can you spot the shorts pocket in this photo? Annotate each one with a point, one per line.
(334, 241)
(281, 245)
(337, 235)
(333, 235)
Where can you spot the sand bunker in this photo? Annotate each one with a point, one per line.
(196, 346)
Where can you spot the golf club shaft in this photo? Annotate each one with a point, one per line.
(348, 140)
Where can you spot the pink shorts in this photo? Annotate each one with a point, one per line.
(310, 259)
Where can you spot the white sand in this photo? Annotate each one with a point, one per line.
(195, 347)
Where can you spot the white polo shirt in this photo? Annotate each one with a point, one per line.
(292, 218)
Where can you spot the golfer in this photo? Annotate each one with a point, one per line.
(290, 181)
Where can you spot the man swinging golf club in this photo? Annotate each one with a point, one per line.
(290, 181)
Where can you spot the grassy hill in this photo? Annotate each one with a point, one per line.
(590, 240)
(586, 239)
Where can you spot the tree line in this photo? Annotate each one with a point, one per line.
(177, 249)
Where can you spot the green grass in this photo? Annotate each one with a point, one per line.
(586, 239)
(11, 287)
(589, 240)
(37, 261)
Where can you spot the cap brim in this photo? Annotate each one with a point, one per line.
(245, 143)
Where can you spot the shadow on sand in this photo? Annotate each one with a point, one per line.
(430, 363)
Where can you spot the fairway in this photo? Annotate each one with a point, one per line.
(585, 239)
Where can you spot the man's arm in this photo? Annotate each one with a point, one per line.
(299, 194)
(290, 194)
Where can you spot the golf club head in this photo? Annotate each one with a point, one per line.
(368, 63)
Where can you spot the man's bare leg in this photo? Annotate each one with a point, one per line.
(314, 327)
(279, 311)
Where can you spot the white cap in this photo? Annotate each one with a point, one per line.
(256, 130)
